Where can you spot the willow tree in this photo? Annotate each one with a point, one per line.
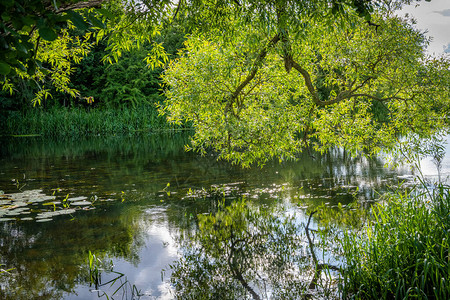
(42, 40)
(277, 77)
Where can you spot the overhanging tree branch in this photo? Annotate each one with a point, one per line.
(79, 5)
(256, 65)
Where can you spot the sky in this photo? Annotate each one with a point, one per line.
(433, 16)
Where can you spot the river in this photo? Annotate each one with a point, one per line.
(127, 199)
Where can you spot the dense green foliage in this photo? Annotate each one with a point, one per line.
(119, 98)
(127, 83)
(42, 40)
(25, 23)
(271, 91)
(403, 252)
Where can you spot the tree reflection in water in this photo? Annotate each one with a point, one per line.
(49, 257)
(245, 251)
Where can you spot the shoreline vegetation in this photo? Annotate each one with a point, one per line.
(82, 122)
(402, 252)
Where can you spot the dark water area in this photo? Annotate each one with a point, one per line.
(129, 199)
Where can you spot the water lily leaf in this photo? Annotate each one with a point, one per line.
(44, 215)
(6, 219)
(81, 203)
(13, 213)
(43, 220)
(41, 199)
(66, 211)
(17, 211)
(19, 204)
(81, 198)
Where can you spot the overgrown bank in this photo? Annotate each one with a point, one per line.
(79, 122)
(403, 251)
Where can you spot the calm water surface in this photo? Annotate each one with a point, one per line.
(128, 200)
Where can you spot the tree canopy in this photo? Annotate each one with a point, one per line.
(307, 76)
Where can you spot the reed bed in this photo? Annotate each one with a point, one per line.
(77, 122)
(403, 251)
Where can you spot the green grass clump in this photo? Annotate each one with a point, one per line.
(403, 251)
(78, 122)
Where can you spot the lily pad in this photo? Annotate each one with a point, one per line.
(81, 203)
(41, 199)
(81, 198)
(18, 204)
(31, 196)
(67, 211)
(17, 211)
(6, 219)
(45, 215)
(43, 220)
(51, 214)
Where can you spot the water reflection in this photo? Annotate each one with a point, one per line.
(148, 193)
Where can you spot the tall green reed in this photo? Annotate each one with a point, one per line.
(403, 251)
(78, 122)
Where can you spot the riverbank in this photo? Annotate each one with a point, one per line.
(80, 122)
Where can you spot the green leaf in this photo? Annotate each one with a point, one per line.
(27, 20)
(6, 17)
(21, 66)
(96, 22)
(77, 20)
(47, 34)
(106, 13)
(8, 3)
(4, 68)
(20, 47)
